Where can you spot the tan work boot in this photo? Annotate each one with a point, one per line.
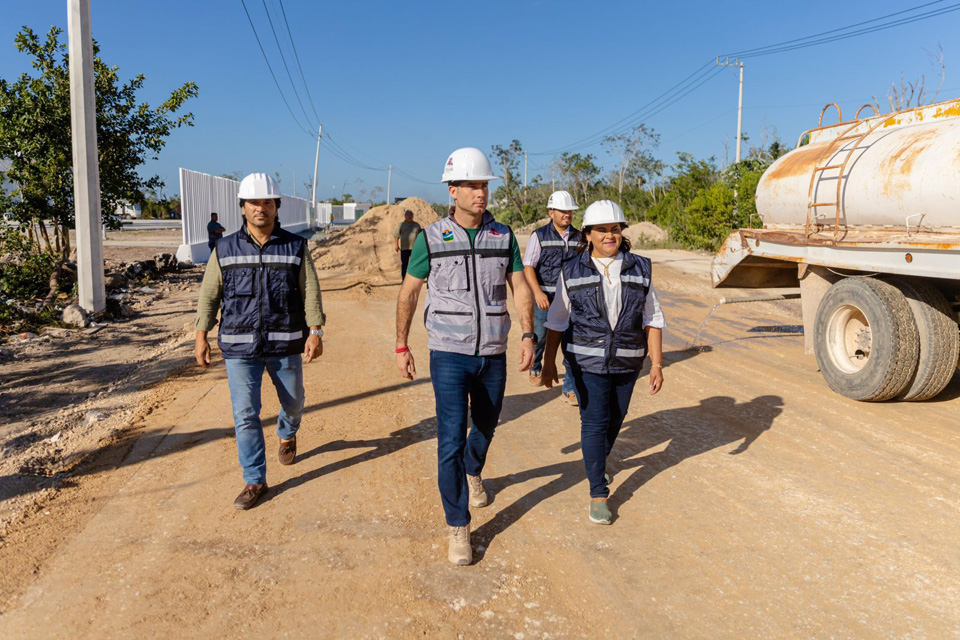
(460, 553)
(478, 495)
(535, 379)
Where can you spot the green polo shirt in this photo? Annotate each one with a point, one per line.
(419, 266)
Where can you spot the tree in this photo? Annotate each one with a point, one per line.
(579, 171)
(632, 148)
(511, 194)
(35, 136)
(915, 93)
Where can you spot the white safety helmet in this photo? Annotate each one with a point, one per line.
(562, 201)
(259, 186)
(467, 163)
(603, 212)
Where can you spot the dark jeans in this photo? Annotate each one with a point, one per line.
(539, 317)
(404, 261)
(457, 381)
(604, 400)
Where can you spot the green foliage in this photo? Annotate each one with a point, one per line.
(35, 135)
(24, 271)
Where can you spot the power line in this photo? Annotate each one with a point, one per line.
(283, 58)
(272, 74)
(297, 57)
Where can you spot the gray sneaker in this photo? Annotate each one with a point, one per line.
(478, 495)
(600, 512)
(459, 551)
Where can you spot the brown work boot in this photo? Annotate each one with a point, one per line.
(478, 495)
(249, 496)
(459, 551)
(570, 398)
(288, 450)
(535, 379)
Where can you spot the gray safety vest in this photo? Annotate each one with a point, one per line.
(466, 308)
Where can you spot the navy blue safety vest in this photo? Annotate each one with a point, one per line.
(261, 313)
(553, 251)
(588, 343)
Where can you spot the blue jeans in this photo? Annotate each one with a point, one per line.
(460, 381)
(539, 317)
(604, 400)
(244, 376)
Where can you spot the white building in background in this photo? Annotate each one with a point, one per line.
(346, 213)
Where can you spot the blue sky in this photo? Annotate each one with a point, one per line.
(405, 83)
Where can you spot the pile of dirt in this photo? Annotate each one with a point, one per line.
(646, 230)
(367, 247)
(528, 229)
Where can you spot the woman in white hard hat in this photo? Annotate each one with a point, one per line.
(607, 317)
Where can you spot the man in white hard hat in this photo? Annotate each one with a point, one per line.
(547, 248)
(470, 260)
(264, 283)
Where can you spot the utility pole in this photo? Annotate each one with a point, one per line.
(316, 163)
(294, 182)
(736, 63)
(389, 175)
(86, 164)
(524, 169)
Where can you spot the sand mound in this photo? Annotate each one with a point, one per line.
(647, 230)
(366, 248)
(528, 229)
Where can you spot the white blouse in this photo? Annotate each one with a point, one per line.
(558, 317)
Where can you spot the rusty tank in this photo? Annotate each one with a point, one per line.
(893, 170)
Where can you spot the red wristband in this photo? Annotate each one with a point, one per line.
(403, 349)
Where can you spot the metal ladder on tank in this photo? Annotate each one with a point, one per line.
(827, 156)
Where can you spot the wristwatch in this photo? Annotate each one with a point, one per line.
(532, 336)
(316, 332)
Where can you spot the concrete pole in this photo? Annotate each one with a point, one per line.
(389, 175)
(316, 163)
(740, 115)
(524, 169)
(86, 167)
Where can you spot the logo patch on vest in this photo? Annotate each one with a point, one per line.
(447, 235)
(493, 232)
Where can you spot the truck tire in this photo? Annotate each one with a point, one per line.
(939, 338)
(866, 339)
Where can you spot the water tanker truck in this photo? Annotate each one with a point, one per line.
(864, 216)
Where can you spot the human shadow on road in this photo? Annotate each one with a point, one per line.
(685, 433)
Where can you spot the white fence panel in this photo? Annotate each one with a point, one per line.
(202, 194)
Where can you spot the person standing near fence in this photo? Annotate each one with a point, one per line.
(214, 231)
(547, 248)
(608, 319)
(404, 237)
(265, 285)
(471, 260)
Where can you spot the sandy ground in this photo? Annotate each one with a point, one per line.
(750, 501)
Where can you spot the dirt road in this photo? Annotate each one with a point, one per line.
(750, 501)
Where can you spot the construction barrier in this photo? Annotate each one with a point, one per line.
(202, 194)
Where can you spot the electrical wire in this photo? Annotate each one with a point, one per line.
(283, 59)
(297, 58)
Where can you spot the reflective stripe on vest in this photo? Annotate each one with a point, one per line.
(553, 251)
(466, 308)
(588, 342)
(238, 339)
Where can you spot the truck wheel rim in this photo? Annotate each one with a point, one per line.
(849, 341)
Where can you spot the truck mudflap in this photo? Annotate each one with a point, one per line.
(766, 258)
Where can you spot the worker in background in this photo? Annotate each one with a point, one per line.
(404, 236)
(263, 280)
(470, 259)
(214, 231)
(607, 317)
(548, 247)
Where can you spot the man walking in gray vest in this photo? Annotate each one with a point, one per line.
(470, 259)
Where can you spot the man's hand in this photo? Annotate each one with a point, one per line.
(526, 354)
(312, 349)
(549, 374)
(397, 248)
(543, 302)
(201, 350)
(406, 365)
(656, 380)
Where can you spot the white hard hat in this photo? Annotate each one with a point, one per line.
(603, 212)
(562, 201)
(259, 186)
(467, 163)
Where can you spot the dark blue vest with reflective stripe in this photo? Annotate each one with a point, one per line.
(553, 251)
(261, 313)
(588, 343)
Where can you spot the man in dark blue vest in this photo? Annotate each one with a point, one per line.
(547, 248)
(264, 283)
